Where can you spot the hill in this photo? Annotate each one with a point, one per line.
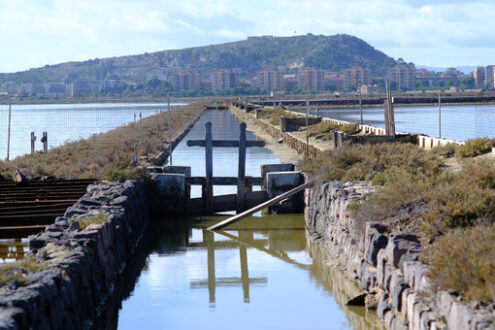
(333, 53)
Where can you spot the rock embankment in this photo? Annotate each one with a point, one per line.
(386, 265)
(81, 265)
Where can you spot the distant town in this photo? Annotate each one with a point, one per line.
(268, 81)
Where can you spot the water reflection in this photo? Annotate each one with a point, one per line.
(253, 278)
(12, 249)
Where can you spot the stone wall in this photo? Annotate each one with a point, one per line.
(83, 265)
(275, 131)
(385, 265)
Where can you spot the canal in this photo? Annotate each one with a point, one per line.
(458, 123)
(261, 273)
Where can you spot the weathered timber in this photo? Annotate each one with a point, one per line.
(208, 191)
(225, 143)
(224, 203)
(241, 169)
(259, 207)
(224, 180)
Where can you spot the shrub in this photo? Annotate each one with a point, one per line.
(351, 128)
(475, 147)
(323, 130)
(464, 260)
(447, 150)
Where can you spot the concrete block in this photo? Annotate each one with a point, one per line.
(171, 191)
(186, 170)
(281, 182)
(267, 168)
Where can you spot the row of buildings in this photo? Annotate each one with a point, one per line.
(483, 76)
(307, 79)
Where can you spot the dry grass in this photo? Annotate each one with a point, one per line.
(84, 222)
(464, 260)
(107, 155)
(324, 129)
(17, 271)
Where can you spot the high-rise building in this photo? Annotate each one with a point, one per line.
(489, 75)
(310, 79)
(270, 80)
(404, 76)
(357, 76)
(479, 76)
(224, 79)
(185, 80)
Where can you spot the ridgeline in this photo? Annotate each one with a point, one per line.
(332, 53)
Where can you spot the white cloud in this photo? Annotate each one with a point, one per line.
(60, 30)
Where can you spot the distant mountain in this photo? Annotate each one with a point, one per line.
(467, 68)
(333, 53)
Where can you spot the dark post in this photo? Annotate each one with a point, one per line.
(360, 105)
(33, 139)
(243, 235)
(209, 168)
(208, 236)
(8, 133)
(241, 177)
(44, 140)
(169, 132)
(283, 123)
(439, 116)
(307, 128)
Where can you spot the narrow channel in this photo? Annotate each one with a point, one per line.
(261, 273)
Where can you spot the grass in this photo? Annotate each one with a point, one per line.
(84, 222)
(17, 271)
(475, 147)
(464, 261)
(324, 129)
(273, 115)
(107, 155)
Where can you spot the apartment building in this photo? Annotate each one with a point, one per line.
(185, 80)
(223, 80)
(357, 76)
(310, 79)
(270, 80)
(404, 76)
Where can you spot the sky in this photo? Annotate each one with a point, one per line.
(437, 33)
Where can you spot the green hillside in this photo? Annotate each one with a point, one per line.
(333, 53)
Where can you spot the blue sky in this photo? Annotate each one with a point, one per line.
(435, 33)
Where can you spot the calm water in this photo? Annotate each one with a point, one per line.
(65, 122)
(459, 123)
(262, 273)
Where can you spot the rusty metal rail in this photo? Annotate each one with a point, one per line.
(28, 207)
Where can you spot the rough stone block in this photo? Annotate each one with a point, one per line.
(397, 287)
(384, 305)
(374, 241)
(398, 245)
(380, 267)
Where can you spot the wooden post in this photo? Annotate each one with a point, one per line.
(208, 236)
(44, 140)
(307, 128)
(439, 116)
(33, 139)
(209, 168)
(169, 132)
(243, 235)
(241, 177)
(8, 133)
(387, 92)
(360, 105)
